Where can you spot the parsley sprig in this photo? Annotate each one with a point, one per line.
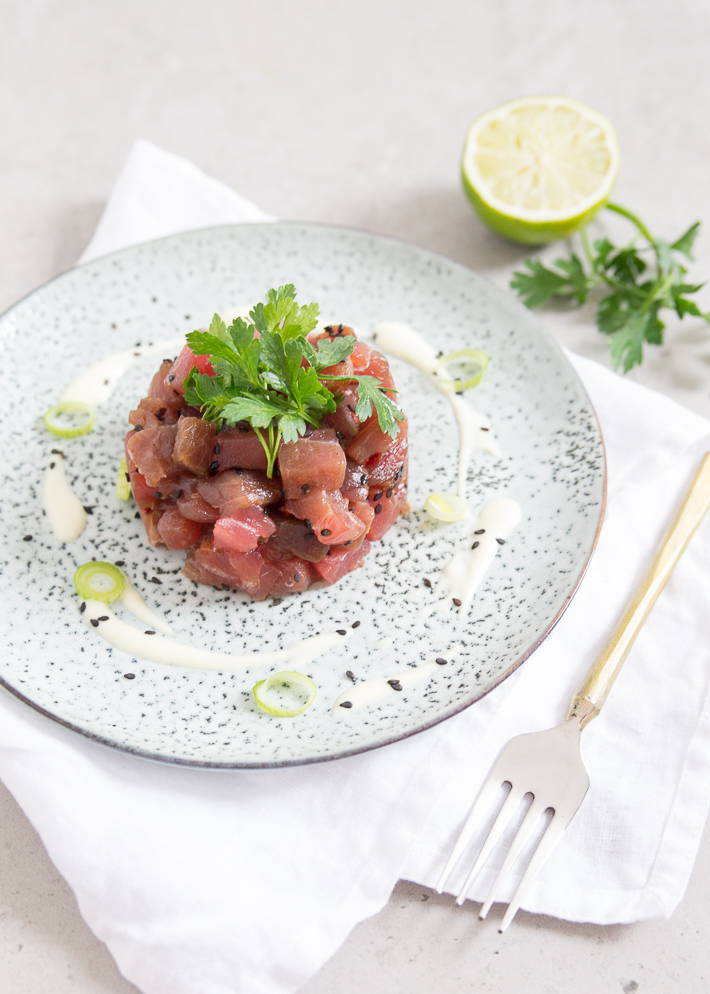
(275, 381)
(636, 289)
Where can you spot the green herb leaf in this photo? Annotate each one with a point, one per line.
(371, 394)
(636, 289)
(272, 381)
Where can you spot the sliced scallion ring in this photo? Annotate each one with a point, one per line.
(302, 683)
(70, 419)
(99, 582)
(465, 367)
(123, 486)
(445, 507)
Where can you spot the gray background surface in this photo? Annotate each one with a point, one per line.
(353, 114)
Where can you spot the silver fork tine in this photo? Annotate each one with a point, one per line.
(511, 802)
(531, 818)
(488, 792)
(552, 836)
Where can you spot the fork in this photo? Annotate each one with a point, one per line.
(548, 764)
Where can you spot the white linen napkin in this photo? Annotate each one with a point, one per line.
(222, 882)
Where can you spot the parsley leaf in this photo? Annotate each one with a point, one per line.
(274, 381)
(637, 288)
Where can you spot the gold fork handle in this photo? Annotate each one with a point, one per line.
(588, 701)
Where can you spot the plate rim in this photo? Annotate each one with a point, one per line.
(498, 292)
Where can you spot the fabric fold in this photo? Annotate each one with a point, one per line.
(249, 880)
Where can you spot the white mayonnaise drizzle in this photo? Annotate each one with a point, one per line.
(65, 511)
(158, 649)
(134, 603)
(98, 381)
(368, 692)
(474, 429)
(462, 575)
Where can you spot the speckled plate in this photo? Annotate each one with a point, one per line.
(553, 464)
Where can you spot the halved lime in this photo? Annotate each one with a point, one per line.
(539, 168)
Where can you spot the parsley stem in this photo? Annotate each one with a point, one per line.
(634, 220)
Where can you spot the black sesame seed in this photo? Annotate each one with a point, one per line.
(158, 496)
(27, 538)
(308, 525)
(154, 579)
(171, 377)
(216, 448)
(356, 624)
(481, 531)
(350, 675)
(485, 429)
(340, 631)
(475, 545)
(364, 479)
(427, 583)
(378, 508)
(57, 452)
(378, 496)
(149, 633)
(138, 427)
(500, 541)
(457, 602)
(104, 617)
(325, 531)
(137, 514)
(346, 704)
(441, 661)
(305, 488)
(395, 684)
(340, 328)
(89, 510)
(177, 494)
(388, 493)
(215, 464)
(128, 478)
(94, 622)
(297, 577)
(83, 607)
(52, 465)
(129, 676)
(120, 562)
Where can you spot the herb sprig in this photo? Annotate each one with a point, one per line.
(637, 289)
(275, 381)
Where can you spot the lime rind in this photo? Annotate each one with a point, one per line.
(70, 407)
(261, 691)
(112, 582)
(542, 224)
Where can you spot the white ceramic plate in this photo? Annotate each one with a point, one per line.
(552, 464)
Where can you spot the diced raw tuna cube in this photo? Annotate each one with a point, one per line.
(142, 493)
(365, 512)
(232, 491)
(177, 532)
(238, 448)
(369, 441)
(152, 453)
(293, 539)
(242, 531)
(343, 419)
(341, 561)
(387, 509)
(194, 445)
(388, 467)
(163, 413)
(369, 362)
(314, 463)
(191, 504)
(179, 370)
(328, 514)
(356, 483)
(163, 391)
